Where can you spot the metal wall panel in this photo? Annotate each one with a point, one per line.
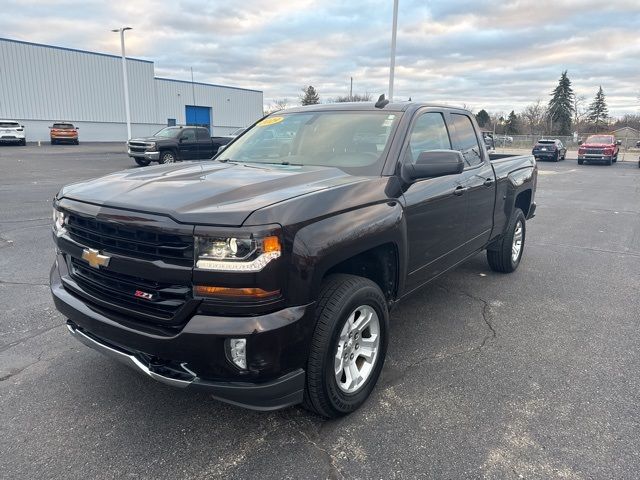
(41, 83)
(231, 108)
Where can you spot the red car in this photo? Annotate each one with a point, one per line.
(599, 148)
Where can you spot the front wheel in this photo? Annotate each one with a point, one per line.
(609, 161)
(167, 157)
(143, 162)
(580, 161)
(348, 347)
(505, 256)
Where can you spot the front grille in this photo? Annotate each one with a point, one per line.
(130, 241)
(120, 289)
(595, 151)
(139, 147)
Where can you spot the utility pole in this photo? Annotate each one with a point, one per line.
(125, 80)
(392, 65)
(193, 88)
(351, 91)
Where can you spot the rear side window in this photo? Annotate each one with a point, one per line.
(9, 124)
(428, 133)
(465, 139)
(202, 134)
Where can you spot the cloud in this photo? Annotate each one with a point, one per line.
(491, 54)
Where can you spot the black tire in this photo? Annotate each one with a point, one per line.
(557, 157)
(615, 159)
(76, 142)
(499, 255)
(340, 295)
(23, 142)
(53, 142)
(580, 161)
(167, 156)
(143, 162)
(609, 161)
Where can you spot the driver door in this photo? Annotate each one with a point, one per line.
(188, 144)
(435, 209)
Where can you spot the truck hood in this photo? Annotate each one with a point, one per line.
(149, 139)
(597, 145)
(210, 193)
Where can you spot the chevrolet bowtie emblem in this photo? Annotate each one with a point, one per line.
(94, 258)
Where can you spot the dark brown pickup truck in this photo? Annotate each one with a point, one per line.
(266, 276)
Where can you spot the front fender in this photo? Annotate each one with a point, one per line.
(321, 245)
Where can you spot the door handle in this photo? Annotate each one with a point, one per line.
(459, 190)
(488, 182)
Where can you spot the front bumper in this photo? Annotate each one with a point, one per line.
(595, 158)
(153, 156)
(194, 356)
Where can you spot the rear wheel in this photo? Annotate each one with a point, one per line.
(23, 142)
(167, 157)
(76, 142)
(348, 346)
(506, 254)
(557, 157)
(143, 162)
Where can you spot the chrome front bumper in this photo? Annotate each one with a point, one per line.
(154, 156)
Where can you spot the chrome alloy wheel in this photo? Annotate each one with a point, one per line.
(357, 350)
(516, 247)
(168, 158)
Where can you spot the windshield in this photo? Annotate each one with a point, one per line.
(168, 132)
(62, 126)
(351, 141)
(9, 124)
(237, 132)
(600, 139)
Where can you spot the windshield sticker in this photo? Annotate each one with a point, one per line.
(270, 121)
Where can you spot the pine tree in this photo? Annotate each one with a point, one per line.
(512, 126)
(483, 119)
(561, 106)
(598, 111)
(309, 96)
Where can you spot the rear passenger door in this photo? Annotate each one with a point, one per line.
(477, 179)
(188, 144)
(435, 212)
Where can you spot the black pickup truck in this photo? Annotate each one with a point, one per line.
(172, 144)
(266, 276)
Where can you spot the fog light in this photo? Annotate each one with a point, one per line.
(238, 351)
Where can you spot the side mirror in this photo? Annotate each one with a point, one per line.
(181, 140)
(580, 142)
(618, 142)
(221, 148)
(77, 128)
(434, 163)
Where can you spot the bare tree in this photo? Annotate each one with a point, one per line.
(534, 115)
(366, 97)
(579, 109)
(279, 104)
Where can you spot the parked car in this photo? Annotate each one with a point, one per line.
(12, 132)
(503, 139)
(63, 132)
(599, 148)
(548, 149)
(172, 144)
(266, 277)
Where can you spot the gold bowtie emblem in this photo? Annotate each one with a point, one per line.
(95, 259)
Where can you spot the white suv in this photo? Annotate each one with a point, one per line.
(12, 132)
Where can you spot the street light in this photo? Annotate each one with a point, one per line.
(392, 65)
(124, 76)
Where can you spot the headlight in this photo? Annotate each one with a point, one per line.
(59, 222)
(152, 147)
(236, 254)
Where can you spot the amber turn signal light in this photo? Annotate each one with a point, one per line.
(271, 244)
(229, 293)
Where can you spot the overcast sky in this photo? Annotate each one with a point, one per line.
(490, 54)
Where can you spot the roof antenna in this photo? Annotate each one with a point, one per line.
(382, 102)
(409, 98)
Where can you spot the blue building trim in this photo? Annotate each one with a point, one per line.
(71, 49)
(207, 84)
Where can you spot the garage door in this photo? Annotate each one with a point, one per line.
(200, 116)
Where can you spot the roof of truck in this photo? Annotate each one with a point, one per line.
(369, 106)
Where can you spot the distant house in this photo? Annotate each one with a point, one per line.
(626, 132)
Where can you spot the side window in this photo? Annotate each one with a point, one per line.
(188, 135)
(202, 134)
(428, 133)
(465, 139)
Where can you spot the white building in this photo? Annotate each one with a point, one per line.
(41, 84)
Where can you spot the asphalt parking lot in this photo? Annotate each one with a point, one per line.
(528, 375)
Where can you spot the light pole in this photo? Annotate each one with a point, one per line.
(124, 77)
(392, 65)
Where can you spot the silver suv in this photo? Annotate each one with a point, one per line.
(12, 132)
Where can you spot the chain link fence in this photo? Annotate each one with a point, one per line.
(528, 141)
